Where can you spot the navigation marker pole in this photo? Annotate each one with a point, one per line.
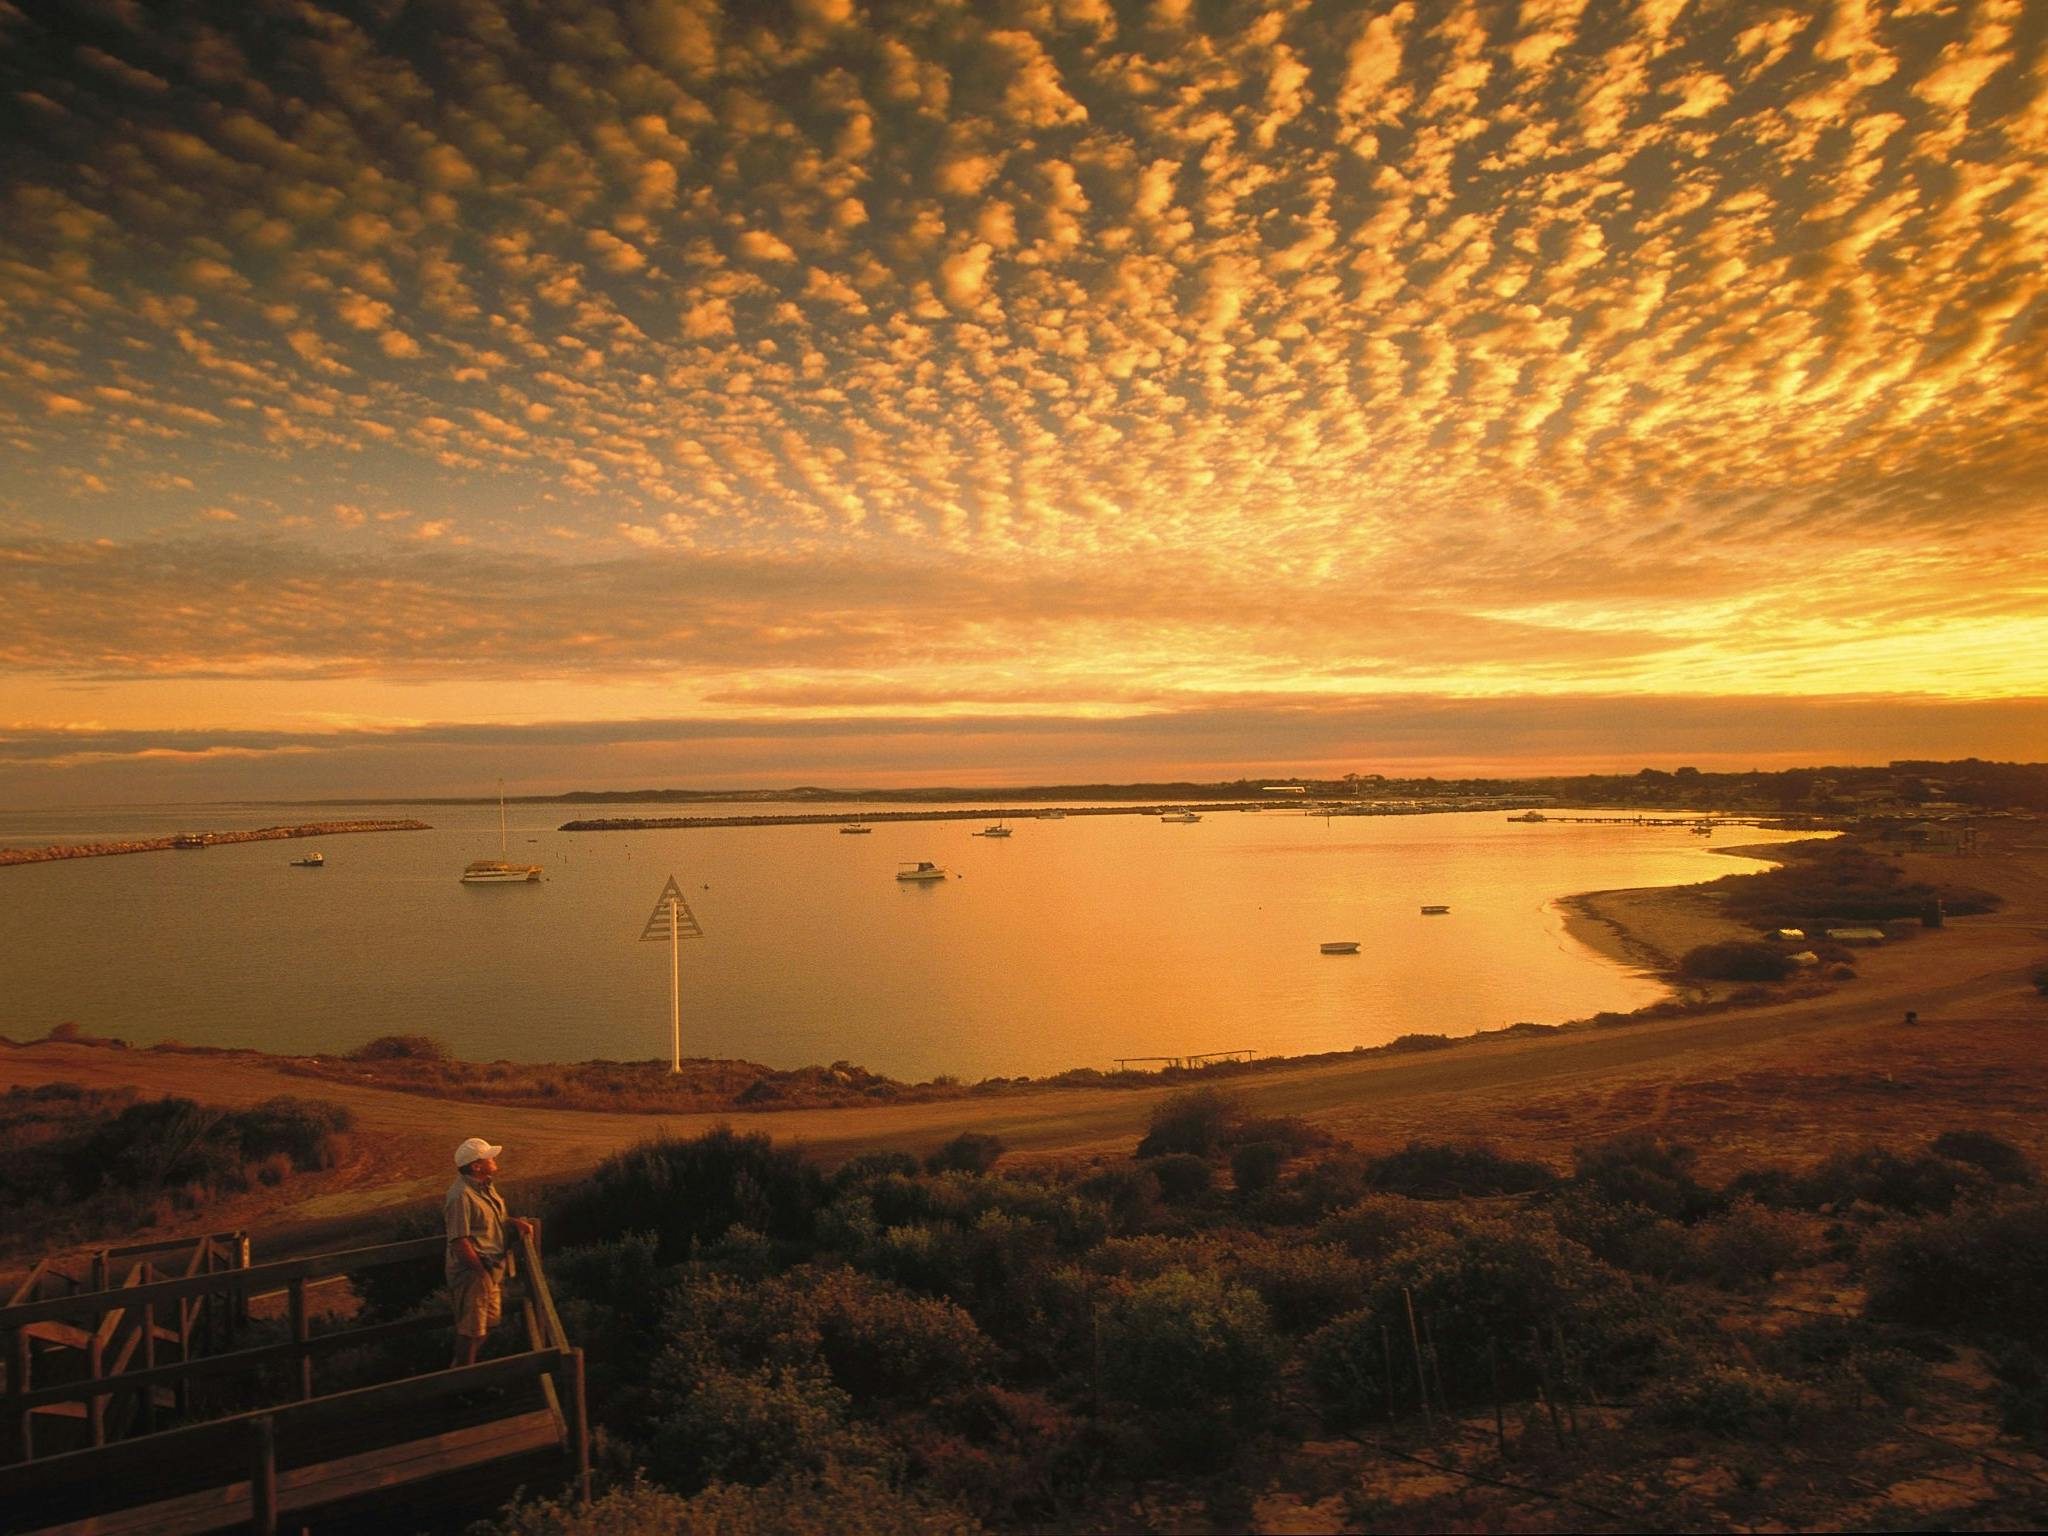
(673, 920)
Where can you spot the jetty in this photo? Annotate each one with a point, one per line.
(189, 840)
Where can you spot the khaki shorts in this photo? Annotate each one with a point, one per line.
(479, 1303)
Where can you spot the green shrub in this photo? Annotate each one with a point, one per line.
(1726, 1402)
(840, 1501)
(1185, 1337)
(401, 1048)
(1748, 1246)
(1256, 1165)
(1129, 1194)
(1982, 1272)
(1499, 1280)
(869, 1166)
(687, 1192)
(1376, 1225)
(1012, 1458)
(1735, 960)
(1644, 1169)
(1199, 1122)
(1303, 1286)
(1997, 1159)
(754, 1426)
(305, 1130)
(1630, 1237)
(881, 1342)
(157, 1144)
(969, 1152)
(1348, 1366)
(1877, 1176)
(1402, 1045)
(1182, 1176)
(1425, 1169)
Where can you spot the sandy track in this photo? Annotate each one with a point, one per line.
(1776, 1083)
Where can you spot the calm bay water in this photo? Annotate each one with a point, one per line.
(1072, 942)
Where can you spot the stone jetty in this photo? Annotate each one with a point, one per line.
(200, 840)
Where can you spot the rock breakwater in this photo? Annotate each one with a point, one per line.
(52, 851)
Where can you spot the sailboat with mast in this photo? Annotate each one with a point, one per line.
(498, 871)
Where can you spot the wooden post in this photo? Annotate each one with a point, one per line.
(1543, 1385)
(580, 1427)
(1436, 1367)
(95, 1368)
(148, 1395)
(263, 1476)
(18, 1419)
(241, 1309)
(99, 1270)
(1500, 1424)
(675, 986)
(300, 1333)
(1564, 1377)
(1387, 1359)
(1421, 1376)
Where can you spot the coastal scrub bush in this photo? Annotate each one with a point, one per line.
(687, 1192)
(1727, 1402)
(969, 1152)
(1642, 1168)
(1996, 1158)
(1748, 1246)
(1628, 1236)
(1182, 1176)
(1199, 1122)
(840, 1501)
(1500, 1280)
(308, 1131)
(422, 1048)
(1376, 1225)
(1188, 1335)
(1880, 1177)
(882, 1342)
(869, 1166)
(1256, 1165)
(1350, 1362)
(750, 1426)
(1735, 960)
(1303, 1285)
(1442, 1170)
(1981, 1271)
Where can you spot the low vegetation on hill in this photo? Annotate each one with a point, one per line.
(1842, 882)
(1250, 1311)
(78, 1164)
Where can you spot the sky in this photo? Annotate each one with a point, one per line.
(401, 395)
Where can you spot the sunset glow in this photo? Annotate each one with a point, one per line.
(392, 396)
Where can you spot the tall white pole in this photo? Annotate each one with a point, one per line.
(675, 987)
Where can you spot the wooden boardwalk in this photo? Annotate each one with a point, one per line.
(381, 1456)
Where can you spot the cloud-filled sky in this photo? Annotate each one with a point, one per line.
(397, 394)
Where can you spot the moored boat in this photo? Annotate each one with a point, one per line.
(1435, 911)
(919, 870)
(854, 829)
(499, 871)
(309, 861)
(998, 830)
(1182, 816)
(1341, 947)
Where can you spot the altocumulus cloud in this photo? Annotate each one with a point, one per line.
(1032, 351)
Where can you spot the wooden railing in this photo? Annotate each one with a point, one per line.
(331, 1448)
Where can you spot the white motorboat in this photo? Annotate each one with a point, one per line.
(309, 861)
(854, 829)
(499, 871)
(1182, 816)
(921, 869)
(998, 830)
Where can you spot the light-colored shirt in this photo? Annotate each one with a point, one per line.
(479, 1215)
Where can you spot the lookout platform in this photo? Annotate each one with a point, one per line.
(135, 1401)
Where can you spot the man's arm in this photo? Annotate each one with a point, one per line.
(465, 1250)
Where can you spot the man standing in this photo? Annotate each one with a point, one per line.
(478, 1255)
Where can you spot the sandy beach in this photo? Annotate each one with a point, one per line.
(1782, 1080)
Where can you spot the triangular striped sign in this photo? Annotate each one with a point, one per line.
(658, 920)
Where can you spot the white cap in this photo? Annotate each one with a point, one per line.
(473, 1149)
